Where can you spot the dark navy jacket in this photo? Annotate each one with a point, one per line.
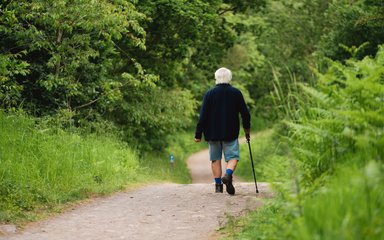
(219, 114)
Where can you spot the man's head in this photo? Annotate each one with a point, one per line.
(223, 75)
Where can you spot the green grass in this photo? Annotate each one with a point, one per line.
(268, 157)
(43, 169)
(349, 206)
(157, 164)
(263, 224)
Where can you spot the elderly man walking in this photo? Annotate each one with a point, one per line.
(219, 122)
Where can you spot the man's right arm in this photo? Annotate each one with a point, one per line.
(202, 119)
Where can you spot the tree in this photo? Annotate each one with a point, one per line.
(278, 42)
(350, 25)
(70, 49)
(148, 115)
(73, 59)
(187, 40)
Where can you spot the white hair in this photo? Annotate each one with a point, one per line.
(223, 75)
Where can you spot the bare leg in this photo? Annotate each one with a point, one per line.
(231, 164)
(216, 168)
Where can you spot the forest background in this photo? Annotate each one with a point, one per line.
(132, 73)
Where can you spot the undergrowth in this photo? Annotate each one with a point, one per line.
(268, 154)
(333, 184)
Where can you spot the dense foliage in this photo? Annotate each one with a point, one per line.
(325, 160)
(334, 160)
(138, 68)
(88, 61)
(326, 157)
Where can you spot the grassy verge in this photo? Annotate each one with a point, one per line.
(352, 201)
(42, 170)
(269, 156)
(348, 205)
(271, 159)
(158, 164)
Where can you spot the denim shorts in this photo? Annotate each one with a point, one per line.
(230, 150)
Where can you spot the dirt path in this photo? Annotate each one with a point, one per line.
(200, 166)
(163, 211)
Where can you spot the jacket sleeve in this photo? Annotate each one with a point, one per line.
(245, 116)
(202, 118)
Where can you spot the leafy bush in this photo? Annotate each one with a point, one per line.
(148, 119)
(344, 115)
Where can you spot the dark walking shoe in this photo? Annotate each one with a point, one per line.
(219, 188)
(227, 180)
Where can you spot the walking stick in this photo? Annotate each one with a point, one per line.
(253, 167)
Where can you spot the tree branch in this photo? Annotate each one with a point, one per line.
(87, 104)
(225, 10)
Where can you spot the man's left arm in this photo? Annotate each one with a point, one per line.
(245, 117)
